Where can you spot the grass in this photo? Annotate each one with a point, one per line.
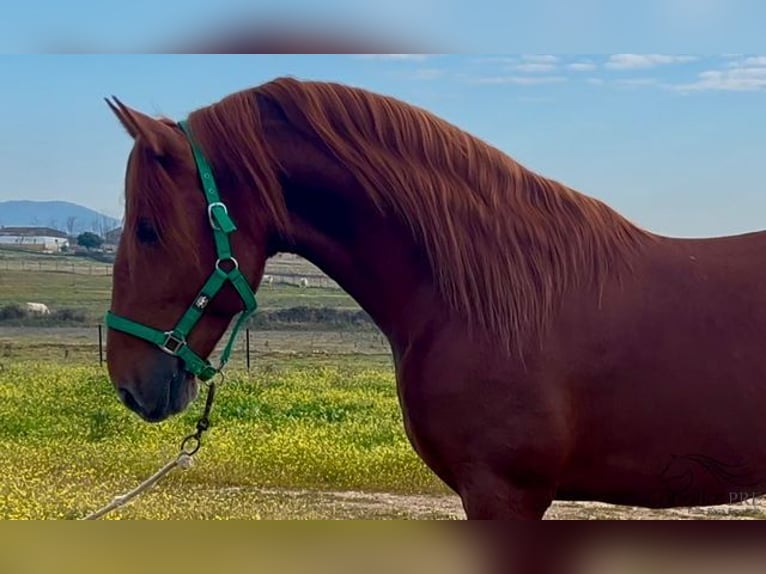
(68, 446)
(57, 289)
(318, 412)
(93, 293)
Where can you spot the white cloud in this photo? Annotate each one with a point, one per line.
(497, 60)
(595, 81)
(540, 58)
(754, 61)
(535, 67)
(582, 66)
(748, 74)
(525, 63)
(738, 79)
(520, 80)
(636, 61)
(636, 82)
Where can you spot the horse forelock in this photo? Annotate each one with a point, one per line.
(152, 198)
(503, 242)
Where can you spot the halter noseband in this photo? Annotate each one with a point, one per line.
(173, 341)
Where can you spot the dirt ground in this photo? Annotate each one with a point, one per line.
(350, 504)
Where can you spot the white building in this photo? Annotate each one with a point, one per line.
(42, 239)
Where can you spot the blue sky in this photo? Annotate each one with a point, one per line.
(708, 26)
(676, 143)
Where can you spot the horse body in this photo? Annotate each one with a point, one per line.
(666, 380)
(620, 405)
(544, 347)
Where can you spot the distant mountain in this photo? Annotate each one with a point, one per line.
(63, 215)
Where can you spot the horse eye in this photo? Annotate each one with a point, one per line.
(145, 232)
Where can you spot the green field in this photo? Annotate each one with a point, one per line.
(313, 430)
(284, 325)
(92, 293)
(68, 446)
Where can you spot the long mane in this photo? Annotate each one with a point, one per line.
(503, 243)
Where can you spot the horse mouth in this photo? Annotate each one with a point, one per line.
(182, 390)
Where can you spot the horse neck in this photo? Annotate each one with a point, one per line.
(373, 258)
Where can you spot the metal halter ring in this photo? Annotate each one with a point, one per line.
(191, 444)
(232, 259)
(210, 213)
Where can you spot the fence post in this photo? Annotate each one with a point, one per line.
(100, 347)
(247, 347)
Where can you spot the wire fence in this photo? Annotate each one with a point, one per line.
(94, 269)
(89, 344)
(76, 267)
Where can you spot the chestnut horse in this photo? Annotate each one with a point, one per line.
(545, 347)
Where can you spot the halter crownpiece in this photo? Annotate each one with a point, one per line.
(173, 341)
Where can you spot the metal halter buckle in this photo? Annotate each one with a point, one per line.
(210, 213)
(177, 343)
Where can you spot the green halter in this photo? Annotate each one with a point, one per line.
(173, 342)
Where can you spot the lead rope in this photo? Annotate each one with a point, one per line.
(189, 447)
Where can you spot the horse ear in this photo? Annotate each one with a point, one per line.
(159, 136)
(125, 119)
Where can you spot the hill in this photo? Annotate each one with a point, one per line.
(63, 215)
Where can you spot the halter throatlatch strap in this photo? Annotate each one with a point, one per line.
(173, 341)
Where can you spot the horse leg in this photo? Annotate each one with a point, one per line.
(512, 548)
(487, 496)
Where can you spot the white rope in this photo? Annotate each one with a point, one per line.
(183, 460)
(189, 448)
